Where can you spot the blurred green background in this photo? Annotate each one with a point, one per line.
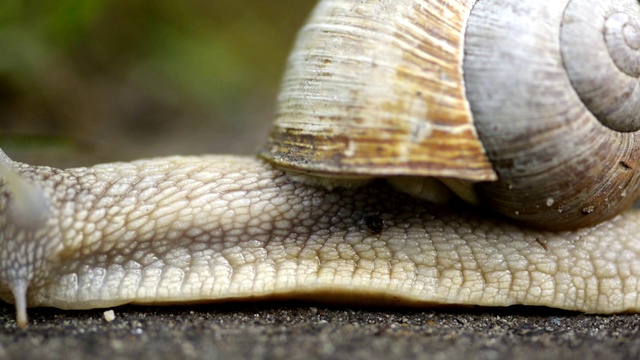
(85, 81)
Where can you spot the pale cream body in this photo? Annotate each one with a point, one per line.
(187, 229)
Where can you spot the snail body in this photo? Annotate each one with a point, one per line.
(210, 228)
(220, 228)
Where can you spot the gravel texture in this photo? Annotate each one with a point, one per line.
(308, 331)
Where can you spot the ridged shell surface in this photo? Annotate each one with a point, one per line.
(375, 88)
(554, 107)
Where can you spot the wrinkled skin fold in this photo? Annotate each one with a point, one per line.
(191, 229)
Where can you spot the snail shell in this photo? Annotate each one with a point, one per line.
(533, 104)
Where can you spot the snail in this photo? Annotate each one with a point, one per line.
(386, 108)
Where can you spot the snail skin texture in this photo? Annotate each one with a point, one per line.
(191, 229)
(217, 228)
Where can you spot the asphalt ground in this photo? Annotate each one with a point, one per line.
(311, 331)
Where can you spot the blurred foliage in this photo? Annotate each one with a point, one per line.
(117, 72)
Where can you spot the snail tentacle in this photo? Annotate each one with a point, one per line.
(24, 225)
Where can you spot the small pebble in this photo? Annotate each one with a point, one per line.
(109, 315)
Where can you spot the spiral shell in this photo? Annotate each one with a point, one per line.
(564, 157)
(535, 101)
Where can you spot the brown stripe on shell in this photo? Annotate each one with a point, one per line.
(371, 90)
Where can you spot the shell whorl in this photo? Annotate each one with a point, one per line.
(538, 81)
(601, 51)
